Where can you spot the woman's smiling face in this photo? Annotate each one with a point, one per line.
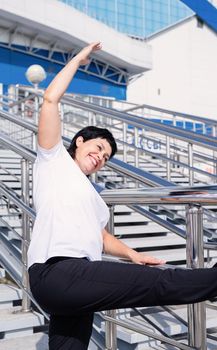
(91, 155)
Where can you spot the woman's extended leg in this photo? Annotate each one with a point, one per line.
(78, 286)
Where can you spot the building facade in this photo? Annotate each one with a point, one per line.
(137, 18)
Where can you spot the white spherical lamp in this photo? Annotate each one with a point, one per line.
(35, 74)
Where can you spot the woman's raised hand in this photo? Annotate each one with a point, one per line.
(86, 51)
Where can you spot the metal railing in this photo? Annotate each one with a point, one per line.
(194, 252)
(126, 170)
(179, 152)
(197, 334)
(93, 116)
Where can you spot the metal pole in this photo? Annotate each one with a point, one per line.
(168, 157)
(215, 153)
(190, 163)
(16, 97)
(136, 142)
(36, 106)
(25, 232)
(94, 119)
(195, 259)
(110, 327)
(125, 142)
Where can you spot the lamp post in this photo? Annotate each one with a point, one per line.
(35, 74)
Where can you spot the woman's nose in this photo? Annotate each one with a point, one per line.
(100, 156)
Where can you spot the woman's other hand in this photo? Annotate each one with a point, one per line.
(142, 259)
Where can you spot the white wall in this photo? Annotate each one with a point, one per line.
(184, 74)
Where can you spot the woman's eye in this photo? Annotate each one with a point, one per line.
(99, 147)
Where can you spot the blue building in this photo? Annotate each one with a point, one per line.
(51, 33)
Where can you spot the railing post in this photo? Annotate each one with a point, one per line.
(110, 328)
(136, 142)
(168, 157)
(25, 232)
(125, 147)
(190, 163)
(16, 97)
(214, 134)
(36, 105)
(92, 118)
(125, 142)
(195, 259)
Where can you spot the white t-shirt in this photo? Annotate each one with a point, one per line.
(70, 213)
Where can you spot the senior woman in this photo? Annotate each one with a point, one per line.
(67, 276)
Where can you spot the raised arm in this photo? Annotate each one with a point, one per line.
(49, 129)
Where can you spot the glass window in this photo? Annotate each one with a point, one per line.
(134, 17)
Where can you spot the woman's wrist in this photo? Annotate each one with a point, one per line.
(131, 253)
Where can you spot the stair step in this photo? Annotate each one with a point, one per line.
(36, 341)
(14, 323)
(133, 218)
(152, 227)
(168, 241)
(171, 325)
(122, 209)
(8, 295)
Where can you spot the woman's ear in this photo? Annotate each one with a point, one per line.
(79, 141)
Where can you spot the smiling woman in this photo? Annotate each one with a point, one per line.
(67, 276)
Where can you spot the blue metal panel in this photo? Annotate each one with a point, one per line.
(205, 11)
(13, 66)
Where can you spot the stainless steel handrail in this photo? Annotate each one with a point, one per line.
(158, 196)
(137, 121)
(119, 166)
(16, 147)
(137, 106)
(33, 127)
(194, 248)
(175, 113)
(115, 164)
(189, 157)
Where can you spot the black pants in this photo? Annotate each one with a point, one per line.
(71, 290)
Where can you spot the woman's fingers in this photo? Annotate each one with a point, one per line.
(139, 258)
(96, 45)
(153, 261)
(86, 51)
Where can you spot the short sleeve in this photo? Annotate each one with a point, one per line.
(44, 154)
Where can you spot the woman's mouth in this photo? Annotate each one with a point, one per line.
(93, 160)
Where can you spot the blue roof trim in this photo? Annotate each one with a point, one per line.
(14, 63)
(205, 11)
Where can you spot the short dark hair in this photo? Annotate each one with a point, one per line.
(93, 132)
